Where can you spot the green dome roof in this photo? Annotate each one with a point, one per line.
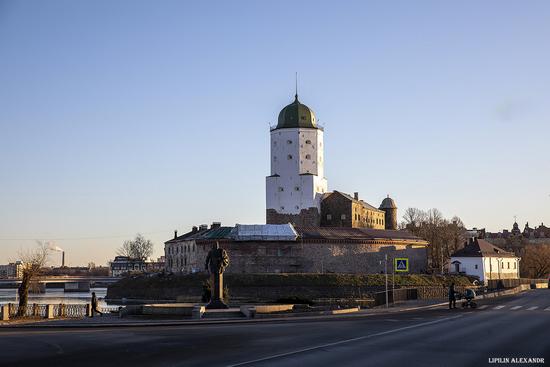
(296, 115)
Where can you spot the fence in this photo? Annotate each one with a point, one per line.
(55, 310)
(512, 283)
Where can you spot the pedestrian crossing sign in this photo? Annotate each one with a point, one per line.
(401, 264)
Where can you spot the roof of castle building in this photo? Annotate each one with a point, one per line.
(346, 233)
(296, 115)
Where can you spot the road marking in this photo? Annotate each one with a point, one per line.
(482, 307)
(281, 355)
(498, 307)
(516, 307)
(532, 308)
(547, 309)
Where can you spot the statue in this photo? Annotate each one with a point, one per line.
(216, 262)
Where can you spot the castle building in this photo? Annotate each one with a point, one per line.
(297, 190)
(297, 182)
(308, 228)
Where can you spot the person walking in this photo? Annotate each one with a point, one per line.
(452, 296)
(94, 305)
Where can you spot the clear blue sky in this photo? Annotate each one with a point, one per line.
(119, 117)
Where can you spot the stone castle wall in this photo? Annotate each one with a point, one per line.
(316, 256)
(306, 217)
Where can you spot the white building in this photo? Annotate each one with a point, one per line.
(484, 260)
(297, 181)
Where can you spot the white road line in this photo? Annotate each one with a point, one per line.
(516, 307)
(482, 307)
(547, 309)
(498, 307)
(532, 308)
(275, 356)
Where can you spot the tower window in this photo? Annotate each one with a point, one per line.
(297, 207)
(289, 141)
(281, 189)
(343, 217)
(329, 216)
(289, 156)
(274, 158)
(308, 156)
(308, 141)
(297, 188)
(282, 208)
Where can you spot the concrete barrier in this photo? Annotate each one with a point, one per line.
(168, 309)
(250, 311)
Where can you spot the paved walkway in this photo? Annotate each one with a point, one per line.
(115, 320)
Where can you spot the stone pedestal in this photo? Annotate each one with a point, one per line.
(216, 293)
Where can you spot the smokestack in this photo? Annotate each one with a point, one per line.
(63, 259)
(356, 195)
(194, 229)
(175, 234)
(216, 225)
(203, 227)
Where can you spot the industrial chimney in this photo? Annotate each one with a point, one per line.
(63, 259)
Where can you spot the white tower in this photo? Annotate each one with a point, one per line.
(297, 182)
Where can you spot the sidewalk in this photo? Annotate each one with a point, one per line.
(112, 320)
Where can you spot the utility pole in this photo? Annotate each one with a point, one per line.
(386, 272)
(393, 282)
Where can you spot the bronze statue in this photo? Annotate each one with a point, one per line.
(216, 262)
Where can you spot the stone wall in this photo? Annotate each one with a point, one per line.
(310, 256)
(307, 217)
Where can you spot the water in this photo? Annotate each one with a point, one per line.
(56, 296)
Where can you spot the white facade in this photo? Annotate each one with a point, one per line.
(486, 267)
(297, 170)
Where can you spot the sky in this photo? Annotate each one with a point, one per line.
(125, 117)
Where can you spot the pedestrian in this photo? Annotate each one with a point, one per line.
(452, 296)
(94, 305)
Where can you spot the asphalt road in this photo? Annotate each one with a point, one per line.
(513, 327)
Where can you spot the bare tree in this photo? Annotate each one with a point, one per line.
(33, 262)
(535, 262)
(138, 248)
(445, 236)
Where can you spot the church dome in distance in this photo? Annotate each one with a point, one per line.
(388, 203)
(295, 115)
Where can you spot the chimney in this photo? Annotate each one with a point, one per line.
(194, 229)
(63, 259)
(215, 225)
(356, 195)
(175, 234)
(203, 227)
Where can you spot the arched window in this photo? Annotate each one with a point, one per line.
(308, 156)
(289, 156)
(308, 141)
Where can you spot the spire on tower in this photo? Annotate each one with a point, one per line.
(296, 95)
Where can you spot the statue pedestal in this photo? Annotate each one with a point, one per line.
(216, 293)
